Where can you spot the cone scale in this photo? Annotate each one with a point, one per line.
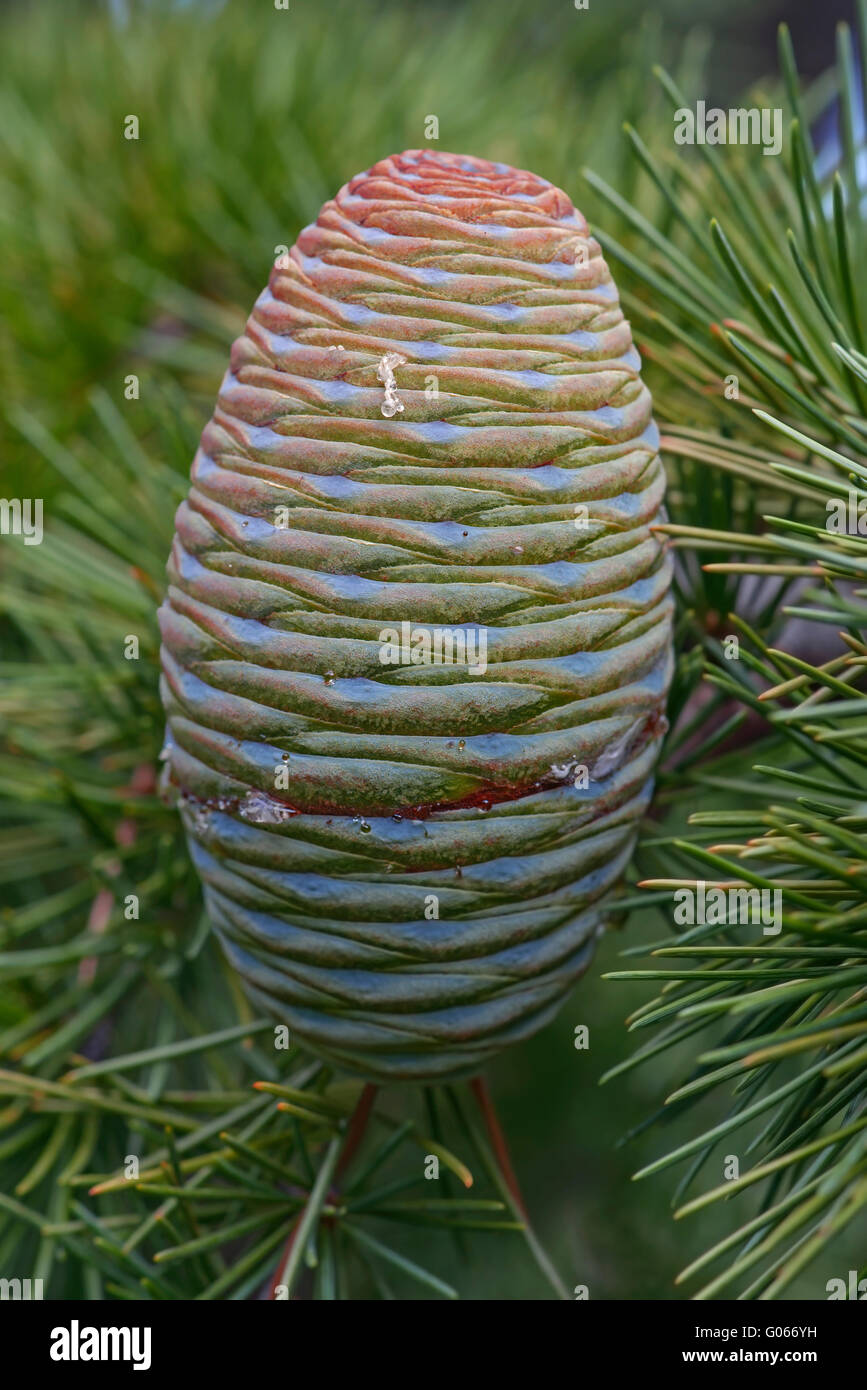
(417, 637)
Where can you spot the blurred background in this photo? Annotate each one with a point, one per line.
(143, 256)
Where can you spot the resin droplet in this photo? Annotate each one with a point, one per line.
(615, 754)
(261, 809)
(199, 814)
(385, 371)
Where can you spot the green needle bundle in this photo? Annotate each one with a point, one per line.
(417, 637)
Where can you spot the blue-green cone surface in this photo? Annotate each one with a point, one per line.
(433, 439)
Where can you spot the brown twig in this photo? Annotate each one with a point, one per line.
(356, 1129)
(482, 1097)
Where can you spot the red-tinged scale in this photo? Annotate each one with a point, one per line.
(433, 426)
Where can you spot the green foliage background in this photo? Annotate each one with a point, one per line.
(144, 256)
